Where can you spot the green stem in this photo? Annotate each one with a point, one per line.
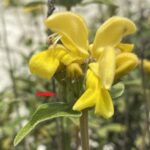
(84, 130)
(147, 103)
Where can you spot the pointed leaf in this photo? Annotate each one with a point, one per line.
(45, 112)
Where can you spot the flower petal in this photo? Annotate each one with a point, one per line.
(43, 65)
(86, 100)
(57, 51)
(68, 59)
(107, 67)
(95, 68)
(112, 32)
(89, 97)
(74, 70)
(61, 53)
(96, 53)
(125, 47)
(104, 106)
(125, 62)
(73, 30)
(92, 81)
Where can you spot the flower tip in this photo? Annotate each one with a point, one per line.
(46, 22)
(106, 116)
(129, 25)
(75, 108)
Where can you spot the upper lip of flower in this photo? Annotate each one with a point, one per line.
(73, 30)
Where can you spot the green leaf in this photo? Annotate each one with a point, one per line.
(45, 112)
(69, 3)
(114, 127)
(136, 82)
(34, 3)
(34, 7)
(117, 90)
(106, 2)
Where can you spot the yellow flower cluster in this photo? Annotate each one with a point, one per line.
(108, 58)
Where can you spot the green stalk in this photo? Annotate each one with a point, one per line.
(84, 130)
(146, 130)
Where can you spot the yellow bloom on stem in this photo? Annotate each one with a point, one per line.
(111, 58)
(107, 65)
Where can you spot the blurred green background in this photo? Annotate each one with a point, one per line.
(22, 33)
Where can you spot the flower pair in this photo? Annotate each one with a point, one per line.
(109, 58)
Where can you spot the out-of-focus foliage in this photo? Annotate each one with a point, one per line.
(106, 2)
(117, 90)
(128, 129)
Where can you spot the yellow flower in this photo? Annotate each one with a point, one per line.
(107, 51)
(111, 58)
(96, 96)
(73, 33)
